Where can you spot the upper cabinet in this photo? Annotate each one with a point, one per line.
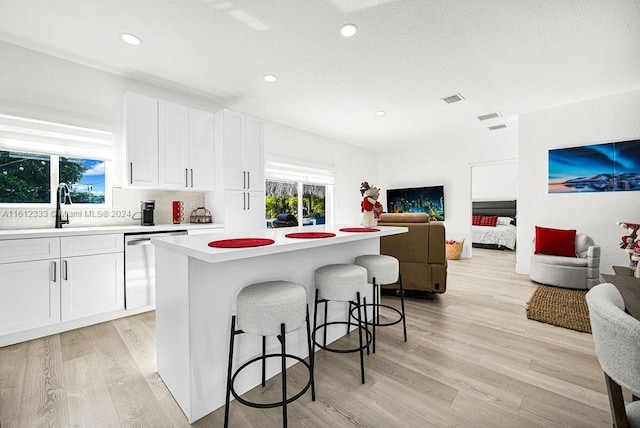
(243, 151)
(178, 153)
(141, 135)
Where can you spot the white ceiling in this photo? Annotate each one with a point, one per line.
(508, 55)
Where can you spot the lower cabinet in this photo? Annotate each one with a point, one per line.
(92, 285)
(30, 295)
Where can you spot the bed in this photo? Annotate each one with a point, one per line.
(497, 224)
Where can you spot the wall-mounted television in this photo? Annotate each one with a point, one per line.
(428, 200)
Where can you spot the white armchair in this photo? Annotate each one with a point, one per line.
(581, 272)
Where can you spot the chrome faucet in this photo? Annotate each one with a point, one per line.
(67, 201)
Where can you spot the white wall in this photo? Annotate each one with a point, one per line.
(44, 87)
(448, 161)
(495, 181)
(602, 120)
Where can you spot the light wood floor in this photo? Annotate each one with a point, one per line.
(473, 359)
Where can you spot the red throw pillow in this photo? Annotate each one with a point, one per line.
(489, 220)
(555, 242)
(475, 220)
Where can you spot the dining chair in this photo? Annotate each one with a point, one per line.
(616, 336)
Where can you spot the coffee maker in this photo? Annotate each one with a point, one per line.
(146, 208)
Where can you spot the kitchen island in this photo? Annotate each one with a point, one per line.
(196, 289)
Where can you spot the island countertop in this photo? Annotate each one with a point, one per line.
(196, 246)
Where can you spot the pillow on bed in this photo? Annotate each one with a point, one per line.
(475, 220)
(504, 221)
(489, 220)
(555, 242)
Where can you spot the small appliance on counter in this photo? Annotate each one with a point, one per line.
(200, 215)
(146, 208)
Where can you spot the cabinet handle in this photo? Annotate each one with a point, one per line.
(248, 200)
(186, 177)
(53, 271)
(191, 177)
(130, 172)
(244, 179)
(248, 179)
(244, 200)
(64, 270)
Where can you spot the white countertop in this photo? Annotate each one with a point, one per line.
(196, 246)
(98, 230)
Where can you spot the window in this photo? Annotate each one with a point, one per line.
(303, 193)
(36, 156)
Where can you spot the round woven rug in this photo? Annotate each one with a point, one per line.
(560, 306)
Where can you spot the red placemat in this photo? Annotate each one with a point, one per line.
(359, 229)
(307, 235)
(241, 242)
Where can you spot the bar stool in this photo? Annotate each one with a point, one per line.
(271, 308)
(382, 270)
(342, 283)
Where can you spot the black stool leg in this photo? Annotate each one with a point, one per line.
(264, 360)
(349, 312)
(326, 307)
(364, 300)
(360, 335)
(231, 340)
(284, 375)
(404, 319)
(376, 311)
(312, 357)
(315, 321)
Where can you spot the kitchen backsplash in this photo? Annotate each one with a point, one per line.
(125, 210)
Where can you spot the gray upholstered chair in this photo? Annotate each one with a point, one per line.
(581, 272)
(616, 336)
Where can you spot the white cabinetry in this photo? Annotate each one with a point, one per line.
(186, 147)
(243, 170)
(141, 137)
(29, 284)
(92, 275)
(169, 146)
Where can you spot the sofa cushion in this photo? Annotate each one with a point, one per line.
(555, 242)
(583, 242)
(559, 260)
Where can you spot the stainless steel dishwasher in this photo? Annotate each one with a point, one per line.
(140, 270)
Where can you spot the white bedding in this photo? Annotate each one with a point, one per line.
(500, 235)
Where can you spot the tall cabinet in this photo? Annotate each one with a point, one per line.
(169, 146)
(242, 145)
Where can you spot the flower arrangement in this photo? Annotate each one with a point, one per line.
(631, 243)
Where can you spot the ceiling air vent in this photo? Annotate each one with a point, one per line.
(489, 116)
(493, 128)
(453, 98)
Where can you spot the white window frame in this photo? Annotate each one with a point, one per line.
(24, 135)
(282, 171)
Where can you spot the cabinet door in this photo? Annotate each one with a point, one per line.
(233, 135)
(29, 295)
(255, 214)
(141, 135)
(201, 150)
(253, 154)
(173, 145)
(92, 285)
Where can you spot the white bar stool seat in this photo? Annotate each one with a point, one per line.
(382, 270)
(342, 283)
(271, 308)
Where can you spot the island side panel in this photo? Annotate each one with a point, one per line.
(172, 325)
(213, 291)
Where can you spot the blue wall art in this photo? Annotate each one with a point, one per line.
(609, 167)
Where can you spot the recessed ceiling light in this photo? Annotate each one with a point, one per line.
(490, 116)
(380, 113)
(493, 128)
(131, 39)
(270, 77)
(348, 30)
